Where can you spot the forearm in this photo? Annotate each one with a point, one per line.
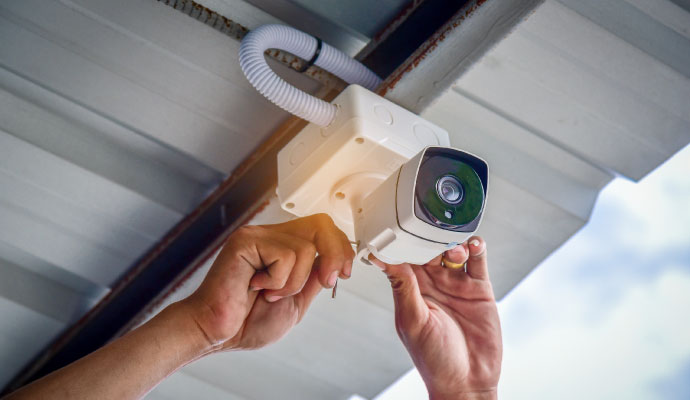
(129, 367)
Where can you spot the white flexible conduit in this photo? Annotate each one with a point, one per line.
(281, 93)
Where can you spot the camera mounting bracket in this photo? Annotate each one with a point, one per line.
(332, 169)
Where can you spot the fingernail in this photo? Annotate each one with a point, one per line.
(475, 243)
(272, 299)
(454, 250)
(254, 288)
(348, 270)
(332, 278)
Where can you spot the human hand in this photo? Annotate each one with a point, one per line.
(258, 288)
(264, 279)
(448, 321)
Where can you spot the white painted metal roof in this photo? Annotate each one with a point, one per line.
(117, 118)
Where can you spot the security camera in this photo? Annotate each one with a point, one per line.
(434, 202)
(387, 177)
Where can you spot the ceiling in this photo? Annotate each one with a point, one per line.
(118, 118)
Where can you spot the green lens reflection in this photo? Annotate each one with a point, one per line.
(472, 201)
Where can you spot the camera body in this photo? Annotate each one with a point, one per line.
(434, 202)
(365, 169)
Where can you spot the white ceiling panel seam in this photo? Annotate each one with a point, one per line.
(87, 83)
(91, 151)
(667, 13)
(18, 283)
(637, 28)
(615, 106)
(140, 66)
(160, 153)
(82, 187)
(571, 35)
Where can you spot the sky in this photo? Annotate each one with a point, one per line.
(607, 315)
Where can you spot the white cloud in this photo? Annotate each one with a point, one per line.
(655, 212)
(605, 316)
(641, 340)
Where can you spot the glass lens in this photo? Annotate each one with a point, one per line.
(449, 189)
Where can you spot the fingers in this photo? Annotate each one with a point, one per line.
(477, 266)
(458, 254)
(472, 252)
(329, 270)
(346, 272)
(470, 283)
(304, 298)
(283, 255)
(442, 277)
(288, 261)
(287, 272)
(332, 245)
(410, 309)
(236, 263)
(335, 251)
(276, 262)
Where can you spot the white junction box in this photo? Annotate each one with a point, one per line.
(332, 169)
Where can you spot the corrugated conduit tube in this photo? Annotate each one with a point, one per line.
(281, 93)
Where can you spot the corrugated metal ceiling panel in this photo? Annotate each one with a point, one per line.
(116, 118)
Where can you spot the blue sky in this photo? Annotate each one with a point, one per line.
(608, 314)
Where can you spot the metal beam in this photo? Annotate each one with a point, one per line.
(452, 50)
(181, 251)
(412, 28)
(304, 19)
(237, 31)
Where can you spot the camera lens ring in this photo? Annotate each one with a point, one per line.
(450, 190)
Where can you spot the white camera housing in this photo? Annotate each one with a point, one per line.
(392, 223)
(361, 170)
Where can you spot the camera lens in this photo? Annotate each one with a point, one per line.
(449, 189)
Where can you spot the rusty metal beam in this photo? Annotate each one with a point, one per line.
(471, 32)
(175, 256)
(237, 31)
(414, 25)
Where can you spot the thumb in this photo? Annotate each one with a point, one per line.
(411, 311)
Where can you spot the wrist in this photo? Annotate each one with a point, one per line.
(178, 320)
(445, 394)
